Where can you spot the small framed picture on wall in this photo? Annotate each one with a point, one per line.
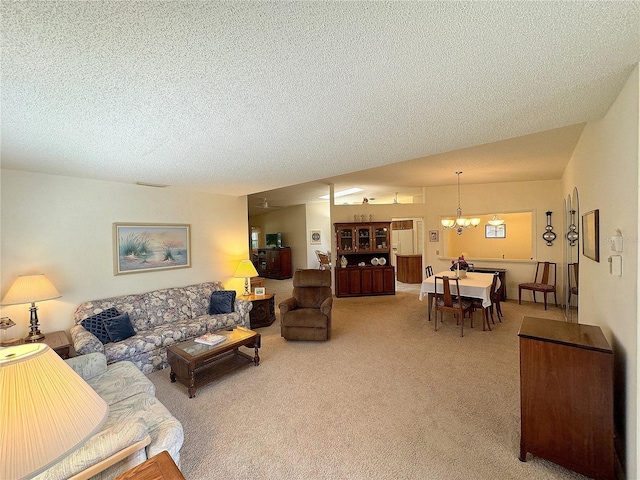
(315, 237)
(434, 235)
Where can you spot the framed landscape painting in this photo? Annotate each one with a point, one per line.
(142, 247)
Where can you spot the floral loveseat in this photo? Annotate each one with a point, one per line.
(159, 318)
(135, 415)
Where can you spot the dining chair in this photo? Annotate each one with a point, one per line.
(428, 271)
(324, 260)
(496, 297)
(477, 304)
(544, 281)
(573, 280)
(445, 302)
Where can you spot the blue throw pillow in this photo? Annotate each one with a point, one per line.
(119, 327)
(95, 323)
(222, 301)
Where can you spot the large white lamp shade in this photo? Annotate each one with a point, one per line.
(46, 410)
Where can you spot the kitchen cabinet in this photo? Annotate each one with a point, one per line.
(409, 268)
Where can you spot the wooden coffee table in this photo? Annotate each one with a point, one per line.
(195, 364)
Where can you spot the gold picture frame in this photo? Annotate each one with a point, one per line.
(144, 247)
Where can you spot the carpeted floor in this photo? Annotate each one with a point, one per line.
(386, 398)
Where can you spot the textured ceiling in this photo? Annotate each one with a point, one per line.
(246, 97)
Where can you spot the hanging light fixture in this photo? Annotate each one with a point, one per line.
(460, 223)
(495, 221)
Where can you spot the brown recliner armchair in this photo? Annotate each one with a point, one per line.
(307, 314)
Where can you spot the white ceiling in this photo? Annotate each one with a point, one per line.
(246, 97)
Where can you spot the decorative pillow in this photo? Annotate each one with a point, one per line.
(95, 323)
(119, 327)
(222, 301)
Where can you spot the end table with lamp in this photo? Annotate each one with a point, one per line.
(31, 289)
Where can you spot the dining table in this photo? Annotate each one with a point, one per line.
(474, 285)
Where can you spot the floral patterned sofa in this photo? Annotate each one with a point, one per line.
(159, 318)
(135, 415)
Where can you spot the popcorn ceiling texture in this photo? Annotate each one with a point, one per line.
(208, 94)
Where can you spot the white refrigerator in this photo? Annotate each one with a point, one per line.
(401, 244)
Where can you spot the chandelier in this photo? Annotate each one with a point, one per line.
(460, 223)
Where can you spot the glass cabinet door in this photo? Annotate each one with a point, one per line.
(345, 240)
(381, 238)
(364, 238)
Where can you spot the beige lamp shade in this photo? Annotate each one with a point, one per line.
(29, 289)
(46, 410)
(246, 270)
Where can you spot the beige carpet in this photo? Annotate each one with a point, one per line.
(385, 398)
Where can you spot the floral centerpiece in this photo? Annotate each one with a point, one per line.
(460, 265)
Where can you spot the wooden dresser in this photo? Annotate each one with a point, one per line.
(566, 396)
(274, 262)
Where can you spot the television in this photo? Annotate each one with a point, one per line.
(274, 239)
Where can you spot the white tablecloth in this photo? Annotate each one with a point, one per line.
(476, 285)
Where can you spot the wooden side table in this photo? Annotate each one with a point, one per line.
(57, 341)
(158, 467)
(263, 312)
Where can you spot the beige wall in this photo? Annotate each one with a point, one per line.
(517, 243)
(62, 227)
(604, 168)
(318, 219)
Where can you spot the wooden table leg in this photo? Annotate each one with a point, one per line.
(430, 299)
(256, 358)
(192, 383)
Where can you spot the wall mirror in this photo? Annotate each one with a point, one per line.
(591, 235)
(571, 255)
(511, 241)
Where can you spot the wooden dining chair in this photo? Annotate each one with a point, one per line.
(497, 296)
(324, 260)
(544, 281)
(428, 271)
(445, 302)
(477, 304)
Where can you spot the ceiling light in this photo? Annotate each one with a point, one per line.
(460, 223)
(495, 221)
(342, 193)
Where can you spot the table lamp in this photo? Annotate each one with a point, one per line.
(246, 270)
(31, 289)
(46, 410)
